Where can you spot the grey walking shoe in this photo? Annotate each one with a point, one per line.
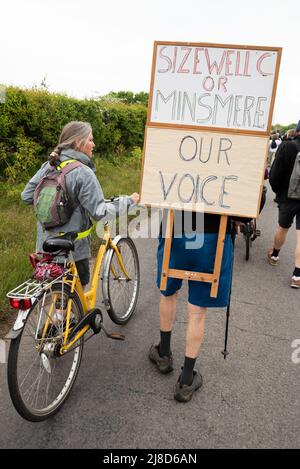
(183, 392)
(164, 364)
(272, 259)
(295, 283)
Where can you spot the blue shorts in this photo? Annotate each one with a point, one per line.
(198, 260)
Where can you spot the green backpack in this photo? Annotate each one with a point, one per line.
(53, 208)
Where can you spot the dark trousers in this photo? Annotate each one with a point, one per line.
(83, 270)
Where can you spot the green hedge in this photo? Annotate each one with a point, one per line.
(31, 121)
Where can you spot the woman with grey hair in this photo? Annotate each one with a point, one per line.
(84, 191)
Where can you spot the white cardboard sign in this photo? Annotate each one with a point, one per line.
(216, 172)
(229, 87)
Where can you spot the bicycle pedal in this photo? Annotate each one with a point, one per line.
(257, 232)
(117, 336)
(113, 335)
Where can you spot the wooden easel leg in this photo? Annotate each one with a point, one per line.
(219, 255)
(167, 251)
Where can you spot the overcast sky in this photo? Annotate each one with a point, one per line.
(90, 47)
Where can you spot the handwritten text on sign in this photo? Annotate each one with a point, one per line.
(186, 167)
(213, 86)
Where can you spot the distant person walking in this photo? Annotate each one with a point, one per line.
(273, 146)
(280, 175)
(289, 135)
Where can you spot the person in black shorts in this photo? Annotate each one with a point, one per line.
(288, 208)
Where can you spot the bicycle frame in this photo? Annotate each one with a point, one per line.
(88, 299)
(55, 312)
(31, 289)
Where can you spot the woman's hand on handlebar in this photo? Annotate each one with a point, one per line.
(135, 197)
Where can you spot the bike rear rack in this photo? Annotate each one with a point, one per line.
(31, 288)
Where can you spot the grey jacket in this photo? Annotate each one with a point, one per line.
(83, 187)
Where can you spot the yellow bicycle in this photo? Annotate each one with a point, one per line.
(55, 316)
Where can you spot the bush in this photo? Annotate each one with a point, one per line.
(23, 162)
(31, 121)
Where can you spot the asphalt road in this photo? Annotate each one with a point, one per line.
(249, 400)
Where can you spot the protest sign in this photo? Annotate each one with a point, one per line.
(208, 123)
(222, 171)
(216, 86)
(209, 118)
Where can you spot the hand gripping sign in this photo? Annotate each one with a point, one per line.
(208, 124)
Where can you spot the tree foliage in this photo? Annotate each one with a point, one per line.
(282, 129)
(129, 97)
(31, 121)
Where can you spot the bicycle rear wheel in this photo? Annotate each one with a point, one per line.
(39, 378)
(120, 293)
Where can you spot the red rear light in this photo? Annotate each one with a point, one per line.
(14, 303)
(20, 303)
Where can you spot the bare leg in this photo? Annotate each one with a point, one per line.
(195, 330)
(167, 310)
(161, 355)
(189, 380)
(280, 237)
(297, 251)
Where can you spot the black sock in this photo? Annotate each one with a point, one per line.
(164, 348)
(187, 371)
(275, 252)
(297, 272)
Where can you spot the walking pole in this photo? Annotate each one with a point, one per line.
(225, 351)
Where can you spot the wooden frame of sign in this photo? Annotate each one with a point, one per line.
(188, 275)
(171, 65)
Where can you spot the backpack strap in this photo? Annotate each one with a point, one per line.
(66, 167)
(74, 164)
(62, 164)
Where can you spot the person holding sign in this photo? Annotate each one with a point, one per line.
(201, 260)
(187, 254)
(208, 123)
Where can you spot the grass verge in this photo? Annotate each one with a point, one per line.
(117, 176)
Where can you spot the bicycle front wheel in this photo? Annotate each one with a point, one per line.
(39, 378)
(120, 293)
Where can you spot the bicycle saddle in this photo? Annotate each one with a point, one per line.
(58, 244)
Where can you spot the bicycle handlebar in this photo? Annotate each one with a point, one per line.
(112, 199)
(72, 235)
